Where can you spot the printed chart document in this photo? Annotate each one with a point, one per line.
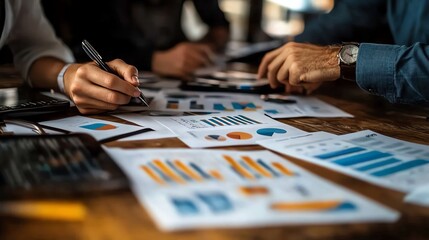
(99, 129)
(159, 131)
(187, 189)
(174, 100)
(367, 155)
(226, 129)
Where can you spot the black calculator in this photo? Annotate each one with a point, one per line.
(56, 166)
(23, 102)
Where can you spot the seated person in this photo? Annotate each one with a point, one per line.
(44, 61)
(399, 72)
(146, 33)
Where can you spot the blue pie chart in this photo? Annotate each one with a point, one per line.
(269, 132)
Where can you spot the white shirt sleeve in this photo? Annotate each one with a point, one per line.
(31, 36)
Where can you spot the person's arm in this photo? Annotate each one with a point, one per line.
(348, 21)
(212, 15)
(398, 73)
(40, 56)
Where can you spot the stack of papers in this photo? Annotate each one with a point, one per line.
(184, 189)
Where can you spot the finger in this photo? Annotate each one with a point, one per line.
(87, 102)
(320, 75)
(92, 73)
(128, 72)
(207, 52)
(273, 69)
(196, 59)
(100, 93)
(268, 58)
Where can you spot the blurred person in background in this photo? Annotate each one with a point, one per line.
(146, 33)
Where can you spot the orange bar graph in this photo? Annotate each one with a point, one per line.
(188, 171)
(215, 174)
(256, 167)
(152, 175)
(305, 206)
(237, 167)
(167, 171)
(283, 169)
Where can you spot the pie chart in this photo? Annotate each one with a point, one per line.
(269, 132)
(98, 126)
(239, 135)
(215, 138)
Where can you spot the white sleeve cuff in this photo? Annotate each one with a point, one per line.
(60, 78)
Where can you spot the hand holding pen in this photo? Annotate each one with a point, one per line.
(95, 56)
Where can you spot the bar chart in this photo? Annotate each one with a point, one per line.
(178, 172)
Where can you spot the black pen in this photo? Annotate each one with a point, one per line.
(277, 98)
(95, 56)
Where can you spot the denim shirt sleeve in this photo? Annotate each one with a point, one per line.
(398, 73)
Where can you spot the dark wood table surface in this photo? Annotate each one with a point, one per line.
(118, 215)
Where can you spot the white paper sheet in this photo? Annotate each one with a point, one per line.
(188, 189)
(225, 129)
(159, 131)
(367, 155)
(419, 196)
(174, 100)
(99, 129)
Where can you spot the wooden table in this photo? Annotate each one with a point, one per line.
(118, 215)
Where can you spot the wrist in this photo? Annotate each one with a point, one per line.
(60, 77)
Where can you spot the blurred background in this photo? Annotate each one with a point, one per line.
(258, 20)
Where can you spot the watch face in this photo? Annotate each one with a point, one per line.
(349, 53)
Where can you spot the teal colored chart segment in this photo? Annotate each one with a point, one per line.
(269, 132)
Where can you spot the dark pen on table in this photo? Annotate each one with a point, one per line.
(95, 56)
(277, 98)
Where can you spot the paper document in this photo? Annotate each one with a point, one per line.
(367, 155)
(99, 129)
(187, 189)
(159, 130)
(174, 100)
(226, 129)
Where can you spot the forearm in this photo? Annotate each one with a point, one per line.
(44, 72)
(399, 73)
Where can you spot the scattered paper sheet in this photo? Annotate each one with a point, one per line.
(226, 129)
(159, 131)
(174, 100)
(419, 196)
(188, 189)
(99, 129)
(367, 155)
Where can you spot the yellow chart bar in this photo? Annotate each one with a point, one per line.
(256, 167)
(152, 175)
(305, 206)
(215, 174)
(283, 169)
(188, 171)
(168, 171)
(237, 167)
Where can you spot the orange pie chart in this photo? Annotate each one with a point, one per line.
(239, 135)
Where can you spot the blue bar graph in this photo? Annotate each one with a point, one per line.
(199, 171)
(248, 119)
(339, 153)
(215, 122)
(378, 164)
(209, 123)
(268, 168)
(221, 120)
(160, 173)
(401, 167)
(364, 157)
(179, 172)
(237, 120)
(229, 120)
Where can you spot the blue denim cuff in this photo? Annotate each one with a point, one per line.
(375, 69)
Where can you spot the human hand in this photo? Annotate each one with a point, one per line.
(182, 60)
(94, 90)
(300, 67)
